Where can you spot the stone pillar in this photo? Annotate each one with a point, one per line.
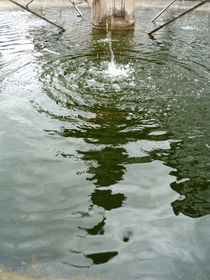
(113, 14)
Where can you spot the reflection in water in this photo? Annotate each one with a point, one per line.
(191, 160)
(192, 176)
(100, 258)
(97, 229)
(107, 200)
(196, 202)
(88, 172)
(108, 165)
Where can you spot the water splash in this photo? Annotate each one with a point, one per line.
(115, 70)
(188, 27)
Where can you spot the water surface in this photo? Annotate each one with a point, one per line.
(105, 164)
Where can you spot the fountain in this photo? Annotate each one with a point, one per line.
(113, 14)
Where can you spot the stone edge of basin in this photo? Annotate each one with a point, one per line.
(143, 4)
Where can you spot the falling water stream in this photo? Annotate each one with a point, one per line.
(105, 161)
(114, 70)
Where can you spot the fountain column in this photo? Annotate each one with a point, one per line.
(113, 14)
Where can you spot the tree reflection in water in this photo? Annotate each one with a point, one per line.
(109, 168)
(106, 167)
(190, 159)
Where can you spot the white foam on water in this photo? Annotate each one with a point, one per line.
(188, 27)
(106, 40)
(115, 70)
(47, 50)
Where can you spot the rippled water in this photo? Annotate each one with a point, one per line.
(105, 164)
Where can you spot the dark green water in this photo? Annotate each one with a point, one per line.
(105, 166)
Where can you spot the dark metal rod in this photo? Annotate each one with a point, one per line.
(29, 3)
(161, 12)
(28, 10)
(177, 17)
(76, 8)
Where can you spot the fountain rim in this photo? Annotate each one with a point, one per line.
(144, 5)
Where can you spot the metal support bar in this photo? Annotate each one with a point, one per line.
(29, 3)
(28, 10)
(177, 17)
(161, 12)
(76, 8)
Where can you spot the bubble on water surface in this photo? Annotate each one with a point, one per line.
(115, 70)
(188, 27)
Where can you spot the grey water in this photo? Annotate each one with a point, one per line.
(104, 164)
